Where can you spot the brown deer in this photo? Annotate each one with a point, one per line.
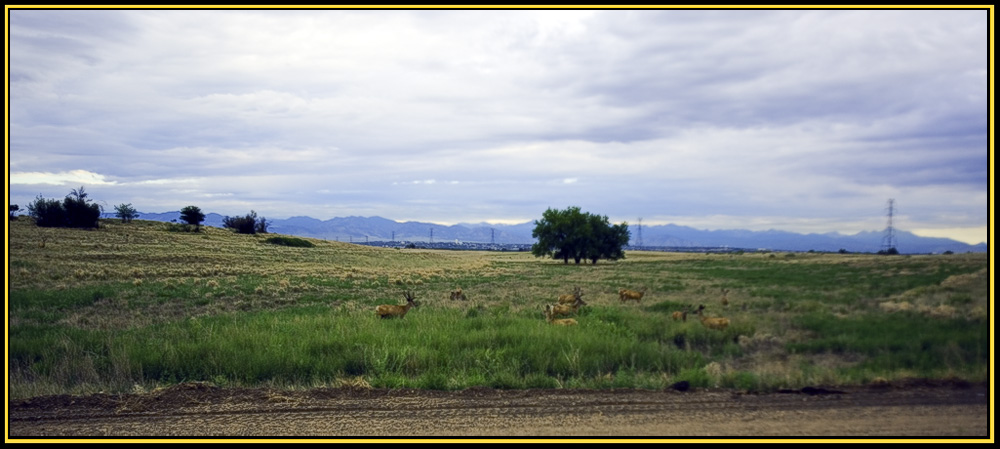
(626, 294)
(712, 323)
(394, 311)
(558, 322)
(725, 297)
(680, 315)
(571, 298)
(567, 309)
(458, 294)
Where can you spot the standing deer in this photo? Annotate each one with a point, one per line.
(725, 297)
(626, 294)
(394, 311)
(571, 298)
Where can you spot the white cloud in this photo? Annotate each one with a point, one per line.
(72, 177)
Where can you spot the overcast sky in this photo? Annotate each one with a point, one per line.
(800, 120)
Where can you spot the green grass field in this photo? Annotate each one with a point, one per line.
(131, 307)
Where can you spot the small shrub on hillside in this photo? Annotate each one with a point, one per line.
(47, 213)
(180, 227)
(126, 212)
(80, 212)
(290, 241)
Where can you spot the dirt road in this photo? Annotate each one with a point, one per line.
(199, 410)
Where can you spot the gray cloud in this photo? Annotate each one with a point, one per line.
(758, 117)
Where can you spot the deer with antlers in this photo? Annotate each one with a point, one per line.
(396, 311)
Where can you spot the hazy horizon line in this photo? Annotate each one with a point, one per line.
(500, 222)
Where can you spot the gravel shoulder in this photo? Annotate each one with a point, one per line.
(918, 411)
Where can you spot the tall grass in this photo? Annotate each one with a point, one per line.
(132, 306)
(903, 342)
(310, 346)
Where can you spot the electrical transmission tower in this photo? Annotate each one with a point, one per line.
(638, 239)
(432, 235)
(889, 239)
(492, 235)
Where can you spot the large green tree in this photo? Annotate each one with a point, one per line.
(193, 215)
(606, 241)
(573, 234)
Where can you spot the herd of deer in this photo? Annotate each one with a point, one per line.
(567, 305)
(711, 323)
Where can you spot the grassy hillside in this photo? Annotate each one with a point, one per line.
(134, 306)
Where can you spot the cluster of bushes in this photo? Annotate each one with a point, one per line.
(74, 211)
(248, 224)
(77, 211)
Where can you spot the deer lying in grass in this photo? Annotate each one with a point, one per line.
(458, 294)
(712, 323)
(558, 322)
(626, 294)
(567, 309)
(680, 315)
(571, 298)
(394, 311)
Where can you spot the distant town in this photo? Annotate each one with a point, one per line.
(525, 247)
(382, 232)
(468, 246)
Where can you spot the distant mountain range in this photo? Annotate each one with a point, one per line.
(364, 229)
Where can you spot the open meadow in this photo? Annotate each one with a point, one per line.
(145, 305)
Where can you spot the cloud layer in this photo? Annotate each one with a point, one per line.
(805, 120)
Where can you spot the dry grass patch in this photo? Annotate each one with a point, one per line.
(957, 295)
